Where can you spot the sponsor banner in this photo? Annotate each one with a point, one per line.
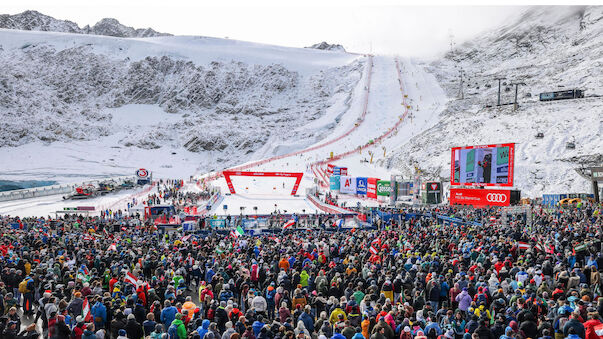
(330, 168)
(334, 183)
(384, 188)
(361, 185)
(480, 197)
(432, 187)
(142, 173)
(371, 188)
(347, 185)
(343, 170)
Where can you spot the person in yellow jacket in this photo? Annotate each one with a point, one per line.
(334, 317)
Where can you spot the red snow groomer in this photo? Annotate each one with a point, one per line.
(83, 192)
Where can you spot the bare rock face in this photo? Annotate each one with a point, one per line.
(36, 21)
(328, 47)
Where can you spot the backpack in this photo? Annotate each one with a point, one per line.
(23, 287)
(173, 331)
(562, 322)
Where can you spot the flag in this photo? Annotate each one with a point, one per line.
(580, 248)
(130, 278)
(288, 224)
(83, 277)
(112, 247)
(373, 250)
(523, 245)
(538, 247)
(237, 232)
(186, 237)
(492, 219)
(339, 223)
(86, 311)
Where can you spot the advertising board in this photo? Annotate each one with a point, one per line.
(361, 184)
(485, 165)
(480, 197)
(347, 185)
(384, 188)
(371, 188)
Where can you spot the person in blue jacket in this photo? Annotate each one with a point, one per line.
(99, 314)
(168, 314)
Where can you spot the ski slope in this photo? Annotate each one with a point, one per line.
(381, 104)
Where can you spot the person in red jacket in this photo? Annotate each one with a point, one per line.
(78, 330)
(592, 325)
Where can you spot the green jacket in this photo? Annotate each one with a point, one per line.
(303, 278)
(181, 328)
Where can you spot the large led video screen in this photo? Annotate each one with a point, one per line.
(485, 165)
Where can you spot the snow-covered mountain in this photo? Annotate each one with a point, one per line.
(36, 21)
(109, 105)
(548, 49)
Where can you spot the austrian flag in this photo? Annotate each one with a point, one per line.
(130, 278)
(289, 224)
(86, 311)
(373, 250)
(523, 245)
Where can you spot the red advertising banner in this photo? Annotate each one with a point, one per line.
(297, 175)
(371, 188)
(479, 197)
(484, 165)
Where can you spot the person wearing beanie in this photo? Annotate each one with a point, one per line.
(122, 334)
(177, 329)
(168, 314)
(229, 330)
(79, 327)
(75, 306)
(133, 327)
(89, 332)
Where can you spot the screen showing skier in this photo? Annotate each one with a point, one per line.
(485, 165)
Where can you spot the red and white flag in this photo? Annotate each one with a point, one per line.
(86, 311)
(288, 224)
(373, 250)
(112, 247)
(131, 279)
(523, 245)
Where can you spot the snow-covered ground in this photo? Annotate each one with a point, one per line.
(47, 206)
(84, 106)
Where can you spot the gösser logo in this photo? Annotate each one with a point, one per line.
(496, 197)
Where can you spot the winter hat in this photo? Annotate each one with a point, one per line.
(122, 332)
(406, 329)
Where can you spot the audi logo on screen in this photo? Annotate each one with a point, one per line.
(496, 197)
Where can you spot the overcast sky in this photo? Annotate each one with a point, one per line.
(378, 26)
